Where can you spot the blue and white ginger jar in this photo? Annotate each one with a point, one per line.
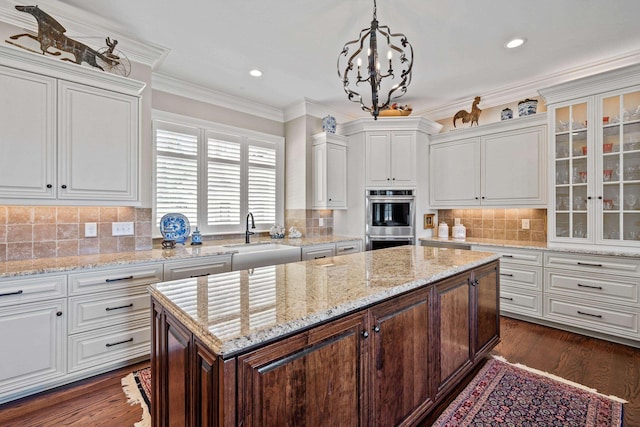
(329, 124)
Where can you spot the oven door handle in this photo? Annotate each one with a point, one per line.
(391, 238)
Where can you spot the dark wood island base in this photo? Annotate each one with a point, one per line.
(389, 363)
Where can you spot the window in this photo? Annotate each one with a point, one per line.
(215, 175)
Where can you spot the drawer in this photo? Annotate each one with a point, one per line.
(514, 300)
(345, 248)
(602, 288)
(195, 268)
(88, 312)
(318, 251)
(609, 319)
(513, 256)
(521, 276)
(594, 263)
(32, 289)
(109, 346)
(112, 279)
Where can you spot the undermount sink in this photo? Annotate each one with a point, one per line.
(252, 255)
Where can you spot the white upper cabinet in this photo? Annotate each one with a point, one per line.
(71, 133)
(501, 164)
(390, 159)
(594, 126)
(329, 171)
(28, 136)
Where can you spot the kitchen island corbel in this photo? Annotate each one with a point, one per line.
(371, 339)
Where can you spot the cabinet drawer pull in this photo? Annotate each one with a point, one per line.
(588, 264)
(506, 274)
(119, 279)
(318, 257)
(507, 298)
(507, 256)
(11, 293)
(365, 334)
(199, 275)
(347, 248)
(589, 286)
(376, 328)
(599, 316)
(119, 342)
(118, 308)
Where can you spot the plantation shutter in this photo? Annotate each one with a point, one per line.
(224, 179)
(176, 171)
(262, 181)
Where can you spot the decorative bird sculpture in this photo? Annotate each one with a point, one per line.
(469, 117)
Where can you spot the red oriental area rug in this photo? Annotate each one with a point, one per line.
(503, 394)
(137, 388)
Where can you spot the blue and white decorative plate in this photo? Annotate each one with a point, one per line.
(175, 226)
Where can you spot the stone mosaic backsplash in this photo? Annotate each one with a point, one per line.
(30, 232)
(499, 223)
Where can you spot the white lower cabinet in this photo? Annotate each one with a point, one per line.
(520, 280)
(318, 251)
(33, 350)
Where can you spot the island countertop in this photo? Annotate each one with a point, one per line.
(236, 311)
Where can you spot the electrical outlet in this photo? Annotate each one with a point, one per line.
(321, 222)
(90, 229)
(122, 229)
(525, 224)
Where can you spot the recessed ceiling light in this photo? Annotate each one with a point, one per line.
(255, 72)
(518, 41)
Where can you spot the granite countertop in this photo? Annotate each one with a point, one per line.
(516, 244)
(208, 248)
(233, 312)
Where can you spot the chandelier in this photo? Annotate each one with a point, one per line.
(359, 63)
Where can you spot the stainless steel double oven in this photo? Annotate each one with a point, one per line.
(390, 218)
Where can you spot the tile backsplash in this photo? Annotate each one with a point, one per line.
(309, 222)
(29, 232)
(499, 223)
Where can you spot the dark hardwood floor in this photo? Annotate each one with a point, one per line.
(608, 367)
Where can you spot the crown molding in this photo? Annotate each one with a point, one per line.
(530, 88)
(87, 28)
(420, 124)
(165, 83)
(49, 66)
(309, 107)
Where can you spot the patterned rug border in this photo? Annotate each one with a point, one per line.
(132, 389)
(472, 391)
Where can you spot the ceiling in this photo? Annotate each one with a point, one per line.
(458, 45)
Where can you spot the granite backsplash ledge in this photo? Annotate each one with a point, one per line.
(32, 232)
(499, 223)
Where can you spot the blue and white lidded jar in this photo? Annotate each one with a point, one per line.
(506, 114)
(527, 107)
(329, 124)
(196, 237)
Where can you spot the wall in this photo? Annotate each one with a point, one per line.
(488, 115)
(499, 223)
(30, 232)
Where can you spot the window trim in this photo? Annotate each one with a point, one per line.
(204, 127)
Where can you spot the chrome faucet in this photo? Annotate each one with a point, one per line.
(253, 225)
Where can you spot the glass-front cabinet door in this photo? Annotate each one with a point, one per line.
(573, 172)
(619, 157)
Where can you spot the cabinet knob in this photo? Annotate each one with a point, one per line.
(589, 197)
(365, 334)
(388, 179)
(49, 185)
(394, 179)
(477, 197)
(63, 186)
(483, 197)
(599, 197)
(59, 314)
(376, 328)
(329, 199)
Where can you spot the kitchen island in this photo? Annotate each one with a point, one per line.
(374, 338)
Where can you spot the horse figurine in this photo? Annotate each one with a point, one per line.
(469, 117)
(51, 34)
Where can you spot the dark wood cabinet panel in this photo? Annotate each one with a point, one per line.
(454, 313)
(488, 311)
(400, 357)
(315, 378)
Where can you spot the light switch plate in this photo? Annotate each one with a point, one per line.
(122, 229)
(90, 229)
(525, 224)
